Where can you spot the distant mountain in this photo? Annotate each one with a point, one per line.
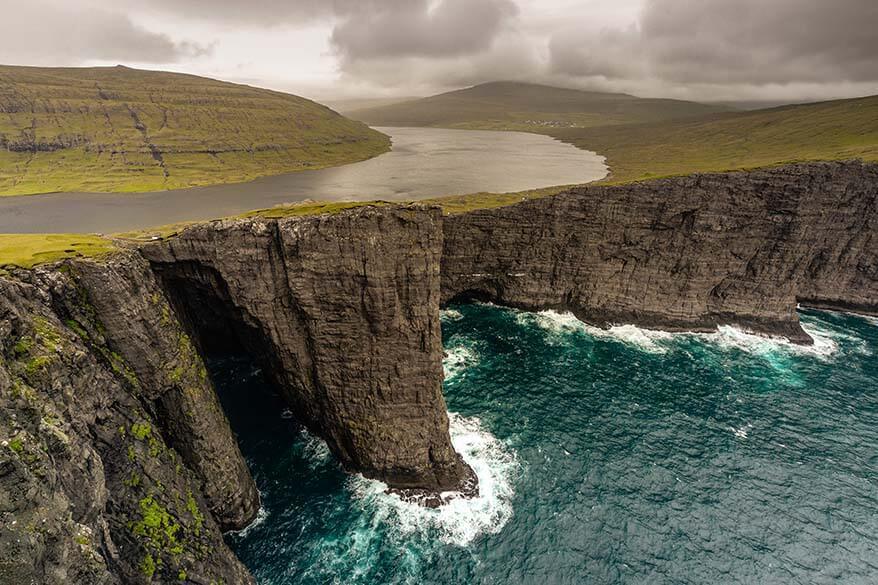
(122, 129)
(343, 106)
(833, 130)
(507, 105)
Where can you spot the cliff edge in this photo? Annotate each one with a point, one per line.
(686, 253)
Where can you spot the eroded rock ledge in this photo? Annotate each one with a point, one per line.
(686, 253)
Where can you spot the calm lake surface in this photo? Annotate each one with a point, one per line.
(612, 457)
(424, 162)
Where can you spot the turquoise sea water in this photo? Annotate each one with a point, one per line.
(605, 457)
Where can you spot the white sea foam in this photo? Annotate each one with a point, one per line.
(450, 315)
(315, 450)
(261, 515)
(741, 432)
(732, 337)
(826, 341)
(564, 323)
(457, 359)
(649, 340)
(461, 520)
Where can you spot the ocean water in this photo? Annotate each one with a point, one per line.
(605, 457)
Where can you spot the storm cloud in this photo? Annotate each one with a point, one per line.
(423, 29)
(45, 33)
(696, 49)
(729, 42)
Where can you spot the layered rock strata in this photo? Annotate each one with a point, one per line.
(342, 312)
(117, 463)
(686, 253)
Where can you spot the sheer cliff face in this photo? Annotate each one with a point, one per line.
(117, 463)
(96, 486)
(342, 312)
(682, 253)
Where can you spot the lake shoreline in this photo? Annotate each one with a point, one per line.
(424, 163)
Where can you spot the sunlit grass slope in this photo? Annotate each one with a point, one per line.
(29, 250)
(835, 130)
(507, 105)
(114, 129)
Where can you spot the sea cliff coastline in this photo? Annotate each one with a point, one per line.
(118, 462)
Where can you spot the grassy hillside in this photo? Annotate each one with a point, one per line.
(523, 106)
(835, 130)
(344, 106)
(121, 129)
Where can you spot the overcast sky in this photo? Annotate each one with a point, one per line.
(694, 49)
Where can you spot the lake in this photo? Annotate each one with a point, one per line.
(424, 162)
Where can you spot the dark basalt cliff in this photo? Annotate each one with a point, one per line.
(342, 311)
(684, 253)
(117, 463)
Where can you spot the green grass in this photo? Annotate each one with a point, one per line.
(835, 130)
(29, 250)
(115, 129)
(310, 208)
(528, 107)
(454, 204)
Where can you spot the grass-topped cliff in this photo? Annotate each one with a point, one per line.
(507, 105)
(116, 129)
(833, 130)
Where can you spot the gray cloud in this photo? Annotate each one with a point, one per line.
(692, 49)
(731, 42)
(38, 33)
(507, 58)
(419, 28)
(266, 13)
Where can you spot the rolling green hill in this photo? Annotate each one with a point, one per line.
(834, 130)
(112, 129)
(507, 105)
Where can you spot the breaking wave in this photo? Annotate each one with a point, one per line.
(826, 340)
(461, 520)
(564, 323)
(261, 515)
(457, 359)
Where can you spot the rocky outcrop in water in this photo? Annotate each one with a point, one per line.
(684, 253)
(342, 312)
